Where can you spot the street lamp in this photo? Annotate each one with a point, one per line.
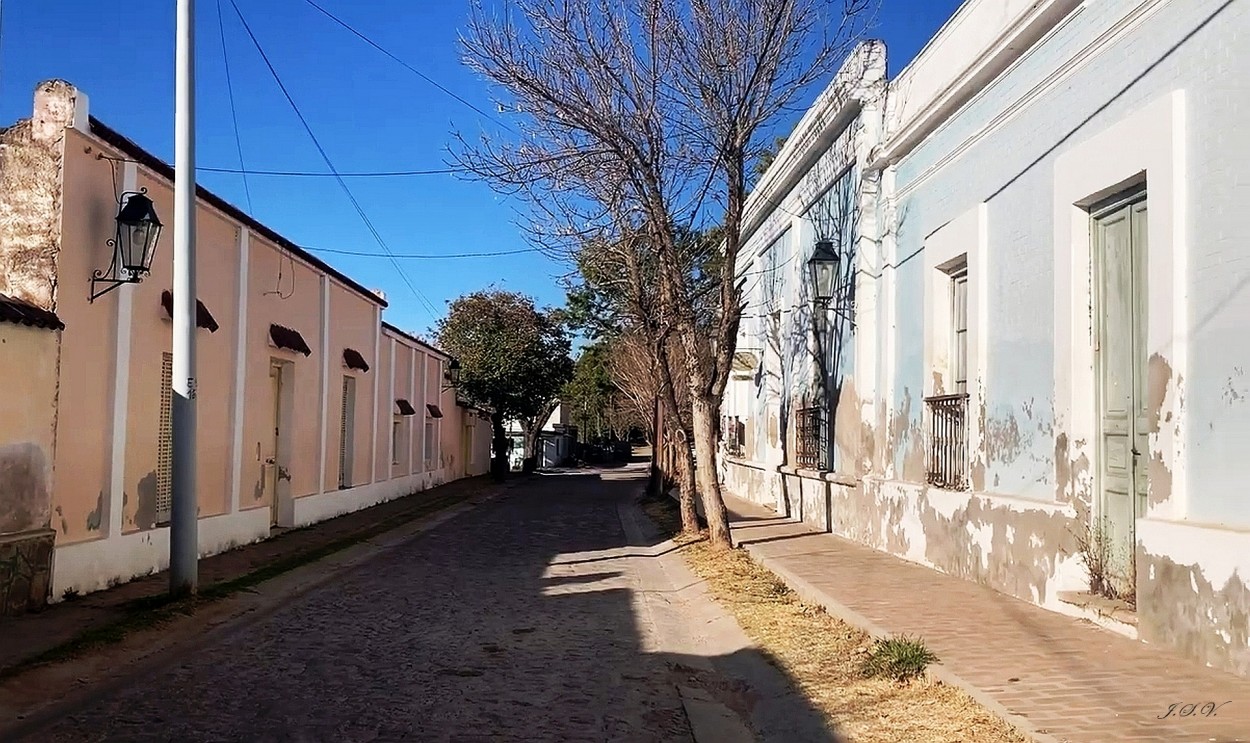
(825, 265)
(452, 374)
(134, 245)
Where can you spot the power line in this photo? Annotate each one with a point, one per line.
(234, 114)
(427, 256)
(318, 174)
(410, 68)
(330, 164)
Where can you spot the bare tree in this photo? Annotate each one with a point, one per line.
(640, 118)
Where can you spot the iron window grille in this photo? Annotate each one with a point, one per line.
(731, 434)
(948, 441)
(813, 439)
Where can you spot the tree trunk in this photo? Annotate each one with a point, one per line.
(655, 486)
(499, 462)
(529, 434)
(686, 488)
(704, 415)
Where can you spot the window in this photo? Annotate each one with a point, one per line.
(347, 432)
(959, 329)
(813, 439)
(731, 434)
(396, 436)
(947, 460)
(165, 443)
(431, 443)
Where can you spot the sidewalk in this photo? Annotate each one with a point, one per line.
(28, 636)
(1069, 680)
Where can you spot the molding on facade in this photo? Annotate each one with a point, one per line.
(121, 375)
(240, 371)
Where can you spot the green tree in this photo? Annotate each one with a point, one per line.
(514, 360)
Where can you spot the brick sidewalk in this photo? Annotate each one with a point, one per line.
(1068, 679)
(29, 635)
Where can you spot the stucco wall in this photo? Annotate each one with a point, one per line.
(89, 347)
(1148, 94)
(28, 360)
(1090, 98)
(354, 326)
(110, 366)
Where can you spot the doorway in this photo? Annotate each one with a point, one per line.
(271, 467)
(347, 432)
(1119, 245)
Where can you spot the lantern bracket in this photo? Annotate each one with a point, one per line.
(115, 275)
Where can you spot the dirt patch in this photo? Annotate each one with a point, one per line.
(822, 655)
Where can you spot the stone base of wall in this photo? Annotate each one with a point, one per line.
(25, 570)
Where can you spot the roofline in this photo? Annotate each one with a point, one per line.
(409, 336)
(834, 109)
(121, 142)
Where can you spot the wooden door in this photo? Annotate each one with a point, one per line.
(1120, 297)
(272, 466)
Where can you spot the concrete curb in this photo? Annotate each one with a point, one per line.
(809, 593)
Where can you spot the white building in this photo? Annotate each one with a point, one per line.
(1041, 348)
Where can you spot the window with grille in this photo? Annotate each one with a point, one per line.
(431, 443)
(813, 439)
(948, 441)
(347, 432)
(165, 443)
(731, 433)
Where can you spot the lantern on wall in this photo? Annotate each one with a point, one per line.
(138, 229)
(452, 374)
(826, 267)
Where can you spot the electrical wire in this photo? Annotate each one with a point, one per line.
(234, 114)
(407, 66)
(330, 164)
(428, 256)
(285, 257)
(318, 174)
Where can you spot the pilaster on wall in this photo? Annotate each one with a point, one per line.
(421, 401)
(240, 371)
(324, 393)
(888, 331)
(377, 391)
(121, 381)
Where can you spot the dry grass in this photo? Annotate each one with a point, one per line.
(823, 655)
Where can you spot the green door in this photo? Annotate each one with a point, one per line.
(1119, 242)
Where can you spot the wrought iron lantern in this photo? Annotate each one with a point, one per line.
(826, 267)
(134, 246)
(452, 374)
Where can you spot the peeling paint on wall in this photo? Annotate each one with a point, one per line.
(145, 509)
(94, 517)
(1179, 606)
(1017, 550)
(1164, 404)
(25, 498)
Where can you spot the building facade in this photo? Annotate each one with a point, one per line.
(1043, 386)
(308, 404)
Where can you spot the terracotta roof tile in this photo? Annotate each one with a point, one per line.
(21, 312)
(284, 337)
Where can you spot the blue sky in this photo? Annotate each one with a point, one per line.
(370, 113)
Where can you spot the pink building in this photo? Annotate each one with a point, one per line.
(309, 405)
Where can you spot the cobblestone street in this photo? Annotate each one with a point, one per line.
(519, 620)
